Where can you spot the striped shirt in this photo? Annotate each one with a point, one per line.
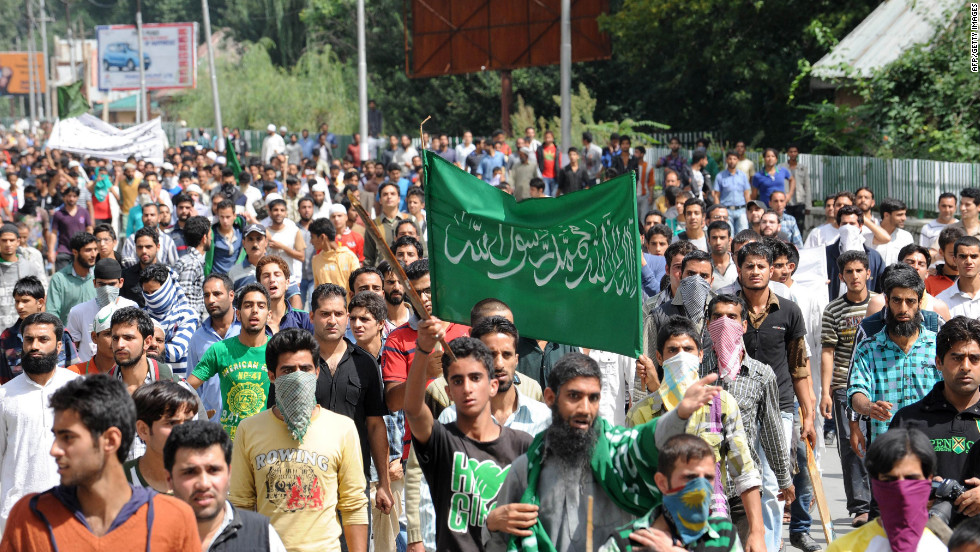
(841, 319)
(884, 372)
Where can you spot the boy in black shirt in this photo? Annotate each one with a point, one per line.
(464, 462)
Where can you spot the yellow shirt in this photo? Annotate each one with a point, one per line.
(334, 266)
(128, 191)
(871, 536)
(301, 487)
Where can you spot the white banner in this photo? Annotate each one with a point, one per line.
(169, 56)
(88, 135)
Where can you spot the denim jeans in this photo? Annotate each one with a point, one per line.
(800, 518)
(738, 219)
(549, 187)
(772, 507)
(857, 487)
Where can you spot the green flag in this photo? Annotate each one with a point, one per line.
(568, 267)
(232, 161)
(71, 100)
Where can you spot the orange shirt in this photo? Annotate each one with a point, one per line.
(84, 368)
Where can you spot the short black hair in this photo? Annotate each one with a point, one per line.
(728, 299)
(744, 237)
(80, 240)
(372, 302)
(468, 347)
(250, 288)
(323, 227)
(537, 183)
(694, 201)
(224, 204)
(195, 229)
(720, 225)
(485, 306)
(225, 280)
(959, 329)
(162, 399)
(695, 256)
(902, 278)
(133, 315)
(195, 435)
(100, 228)
(408, 240)
(682, 247)
(967, 533)
(912, 249)
(848, 210)
(851, 256)
(30, 286)
(684, 448)
(101, 402)
(495, 325)
(290, 340)
(675, 326)
(571, 366)
(363, 270)
(147, 232)
(183, 197)
(417, 269)
(891, 205)
(44, 318)
(965, 241)
(661, 229)
(754, 249)
(324, 291)
(972, 193)
(155, 272)
(942, 196)
(949, 235)
(892, 446)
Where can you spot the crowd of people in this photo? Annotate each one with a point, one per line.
(209, 354)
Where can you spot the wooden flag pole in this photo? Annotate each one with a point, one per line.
(588, 528)
(396, 267)
(822, 506)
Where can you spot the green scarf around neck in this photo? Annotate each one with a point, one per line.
(623, 464)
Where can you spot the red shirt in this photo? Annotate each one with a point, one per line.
(397, 356)
(549, 153)
(938, 282)
(354, 151)
(354, 242)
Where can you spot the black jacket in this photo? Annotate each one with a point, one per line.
(247, 532)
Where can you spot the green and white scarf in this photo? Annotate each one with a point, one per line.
(623, 463)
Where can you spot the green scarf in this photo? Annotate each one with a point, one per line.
(623, 464)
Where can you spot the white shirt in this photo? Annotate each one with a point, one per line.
(462, 152)
(617, 372)
(272, 145)
(26, 419)
(889, 251)
(822, 236)
(959, 302)
(929, 234)
(722, 280)
(79, 327)
(287, 237)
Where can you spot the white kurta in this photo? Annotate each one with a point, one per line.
(26, 419)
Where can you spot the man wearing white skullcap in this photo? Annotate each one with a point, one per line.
(272, 145)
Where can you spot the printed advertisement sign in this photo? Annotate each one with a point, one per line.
(15, 73)
(169, 56)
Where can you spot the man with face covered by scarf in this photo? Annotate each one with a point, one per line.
(720, 424)
(167, 304)
(297, 463)
(543, 503)
(108, 283)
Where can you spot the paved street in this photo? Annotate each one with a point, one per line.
(833, 484)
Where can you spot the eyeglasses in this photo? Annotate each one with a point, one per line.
(426, 292)
(103, 240)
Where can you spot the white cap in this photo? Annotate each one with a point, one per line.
(221, 160)
(167, 166)
(198, 147)
(319, 187)
(74, 164)
(211, 155)
(271, 127)
(194, 189)
(337, 208)
(272, 197)
(103, 319)
(283, 128)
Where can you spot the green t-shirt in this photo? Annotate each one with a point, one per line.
(244, 379)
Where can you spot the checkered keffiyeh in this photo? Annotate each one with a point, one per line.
(726, 340)
(296, 399)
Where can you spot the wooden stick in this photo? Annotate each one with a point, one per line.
(588, 528)
(413, 296)
(825, 520)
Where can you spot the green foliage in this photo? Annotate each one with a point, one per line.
(924, 105)
(254, 92)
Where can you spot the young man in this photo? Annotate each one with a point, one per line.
(399, 311)
(685, 471)
(850, 221)
(969, 212)
(946, 272)
(574, 458)
(73, 284)
(788, 224)
(299, 463)
(694, 224)
(166, 252)
(753, 215)
(94, 508)
(407, 250)
(538, 188)
(273, 273)
(285, 238)
(841, 319)
(105, 237)
(679, 353)
(893, 214)
(13, 267)
(801, 201)
(367, 320)
(221, 323)
(826, 232)
(390, 214)
(731, 189)
(197, 457)
(147, 244)
(28, 299)
(693, 291)
(929, 233)
(573, 177)
(25, 414)
(227, 238)
(345, 236)
(335, 262)
(167, 304)
(100, 335)
(239, 361)
(108, 283)
(723, 268)
(950, 413)
(901, 464)
(963, 297)
(190, 267)
(66, 222)
(255, 243)
(160, 406)
(132, 338)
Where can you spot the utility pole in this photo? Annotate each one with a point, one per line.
(71, 41)
(566, 76)
(362, 81)
(48, 104)
(31, 69)
(139, 37)
(214, 75)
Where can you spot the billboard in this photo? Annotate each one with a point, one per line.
(465, 36)
(15, 75)
(169, 56)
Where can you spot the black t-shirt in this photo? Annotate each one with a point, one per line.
(768, 344)
(464, 478)
(954, 435)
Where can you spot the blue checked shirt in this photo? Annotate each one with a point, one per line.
(788, 224)
(884, 372)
